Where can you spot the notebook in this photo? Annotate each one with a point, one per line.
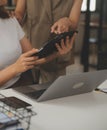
(63, 86)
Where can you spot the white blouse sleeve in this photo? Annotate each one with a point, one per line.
(20, 31)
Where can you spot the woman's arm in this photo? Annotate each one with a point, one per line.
(20, 10)
(75, 13)
(65, 23)
(7, 74)
(25, 44)
(24, 63)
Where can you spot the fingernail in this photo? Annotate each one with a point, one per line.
(33, 49)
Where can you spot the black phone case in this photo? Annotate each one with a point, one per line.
(49, 47)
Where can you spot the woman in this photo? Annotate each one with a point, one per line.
(16, 51)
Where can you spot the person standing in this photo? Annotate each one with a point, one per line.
(42, 18)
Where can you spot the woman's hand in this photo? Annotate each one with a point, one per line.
(66, 46)
(26, 61)
(61, 26)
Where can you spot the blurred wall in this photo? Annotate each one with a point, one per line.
(94, 17)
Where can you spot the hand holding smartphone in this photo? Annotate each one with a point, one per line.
(50, 46)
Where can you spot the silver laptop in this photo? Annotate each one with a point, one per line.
(66, 85)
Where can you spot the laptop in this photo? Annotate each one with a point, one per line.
(63, 86)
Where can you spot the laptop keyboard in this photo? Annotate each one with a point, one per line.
(35, 94)
(33, 91)
(24, 89)
(30, 92)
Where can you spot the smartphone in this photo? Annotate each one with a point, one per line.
(15, 102)
(50, 46)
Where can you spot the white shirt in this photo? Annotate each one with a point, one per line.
(10, 48)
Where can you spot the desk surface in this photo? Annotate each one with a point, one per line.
(81, 112)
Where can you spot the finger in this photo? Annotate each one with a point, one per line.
(40, 61)
(30, 59)
(63, 45)
(30, 63)
(47, 59)
(56, 32)
(30, 53)
(25, 68)
(54, 27)
(58, 47)
(29, 67)
(66, 29)
(63, 29)
(71, 42)
(67, 42)
(59, 29)
(73, 39)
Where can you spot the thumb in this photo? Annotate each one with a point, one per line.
(54, 27)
